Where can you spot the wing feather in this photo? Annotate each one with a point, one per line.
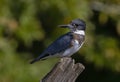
(59, 45)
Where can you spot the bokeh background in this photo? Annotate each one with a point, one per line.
(27, 27)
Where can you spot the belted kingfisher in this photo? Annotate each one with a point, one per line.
(67, 44)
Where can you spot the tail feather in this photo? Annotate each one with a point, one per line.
(41, 57)
(33, 61)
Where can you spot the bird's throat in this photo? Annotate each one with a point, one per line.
(81, 32)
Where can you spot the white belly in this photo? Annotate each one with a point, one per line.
(72, 50)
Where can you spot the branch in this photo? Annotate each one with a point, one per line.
(64, 71)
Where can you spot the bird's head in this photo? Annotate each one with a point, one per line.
(76, 24)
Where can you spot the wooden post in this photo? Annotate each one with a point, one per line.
(64, 71)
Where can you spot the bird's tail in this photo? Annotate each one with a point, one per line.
(41, 57)
(33, 61)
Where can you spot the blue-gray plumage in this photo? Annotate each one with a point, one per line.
(67, 44)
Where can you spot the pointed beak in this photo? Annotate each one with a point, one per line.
(65, 26)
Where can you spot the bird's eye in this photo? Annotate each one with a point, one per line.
(75, 25)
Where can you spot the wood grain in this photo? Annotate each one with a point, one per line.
(64, 71)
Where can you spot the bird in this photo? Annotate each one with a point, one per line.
(67, 44)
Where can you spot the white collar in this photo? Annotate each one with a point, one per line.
(81, 32)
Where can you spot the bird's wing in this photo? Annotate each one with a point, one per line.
(61, 44)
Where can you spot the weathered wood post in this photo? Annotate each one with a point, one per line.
(64, 71)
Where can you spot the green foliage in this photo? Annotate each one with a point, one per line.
(28, 26)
